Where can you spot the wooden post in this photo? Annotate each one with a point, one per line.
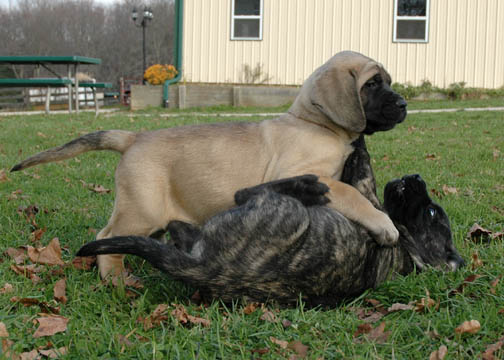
(69, 72)
(48, 100)
(76, 89)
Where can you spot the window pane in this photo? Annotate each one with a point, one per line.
(246, 28)
(412, 7)
(247, 7)
(410, 29)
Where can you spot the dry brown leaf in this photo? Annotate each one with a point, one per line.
(378, 334)
(3, 176)
(366, 315)
(29, 271)
(431, 157)
(17, 254)
(286, 323)
(30, 355)
(157, 316)
(494, 284)
(60, 291)
(84, 262)
(449, 190)
(479, 234)
(180, 313)
(300, 348)
(45, 307)
(260, 351)
(489, 351)
(6, 349)
(250, 308)
(41, 134)
(439, 354)
(268, 316)
(37, 234)
(436, 193)
(467, 281)
(50, 325)
(282, 343)
(54, 353)
(49, 255)
(7, 288)
(3, 330)
(377, 305)
(362, 329)
(426, 303)
(400, 307)
(476, 262)
(127, 279)
(468, 327)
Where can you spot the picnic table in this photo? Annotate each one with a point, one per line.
(70, 80)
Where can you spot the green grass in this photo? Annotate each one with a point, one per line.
(468, 153)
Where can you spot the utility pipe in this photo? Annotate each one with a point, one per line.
(179, 24)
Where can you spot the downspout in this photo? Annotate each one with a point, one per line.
(179, 24)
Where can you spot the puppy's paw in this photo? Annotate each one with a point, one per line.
(385, 232)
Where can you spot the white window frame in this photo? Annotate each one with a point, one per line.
(425, 18)
(244, 17)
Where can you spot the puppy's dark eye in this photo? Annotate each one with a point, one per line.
(371, 84)
(431, 211)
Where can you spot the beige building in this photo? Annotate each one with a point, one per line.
(444, 41)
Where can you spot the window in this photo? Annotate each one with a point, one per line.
(411, 20)
(246, 19)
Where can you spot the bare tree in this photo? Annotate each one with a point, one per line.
(84, 27)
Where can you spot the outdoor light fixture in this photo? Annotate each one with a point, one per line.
(147, 16)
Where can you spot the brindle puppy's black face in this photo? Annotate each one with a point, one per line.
(384, 108)
(408, 203)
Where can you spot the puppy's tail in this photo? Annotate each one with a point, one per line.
(116, 140)
(165, 257)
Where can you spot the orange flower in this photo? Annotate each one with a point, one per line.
(158, 74)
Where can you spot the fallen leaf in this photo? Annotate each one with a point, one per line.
(180, 313)
(400, 307)
(476, 262)
(496, 154)
(157, 316)
(489, 351)
(286, 323)
(260, 351)
(29, 271)
(127, 279)
(250, 308)
(449, 190)
(300, 348)
(29, 213)
(99, 189)
(6, 349)
(84, 262)
(59, 291)
(3, 176)
(431, 157)
(439, 354)
(17, 254)
(426, 303)
(367, 315)
(3, 330)
(44, 306)
(436, 193)
(30, 355)
(268, 316)
(54, 353)
(282, 343)
(50, 325)
(362, 329)
(378, 334)
(49, 255)
(494, 284)
(41, 134)
(467, 281)
(433, 334)
(14, 195)
(37, 234)
(468, 327)
(479, 234)
(7, 288)
(385, 158)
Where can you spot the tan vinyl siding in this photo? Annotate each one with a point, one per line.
(466, 41)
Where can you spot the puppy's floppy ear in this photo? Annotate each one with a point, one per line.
(337, 93)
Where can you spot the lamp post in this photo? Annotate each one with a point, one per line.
(147, 16)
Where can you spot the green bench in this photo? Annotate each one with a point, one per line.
(54, 82)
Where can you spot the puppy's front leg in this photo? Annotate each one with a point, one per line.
(352, 204)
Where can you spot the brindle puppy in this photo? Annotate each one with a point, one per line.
(280, 241)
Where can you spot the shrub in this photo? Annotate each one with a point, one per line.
(158, 74)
